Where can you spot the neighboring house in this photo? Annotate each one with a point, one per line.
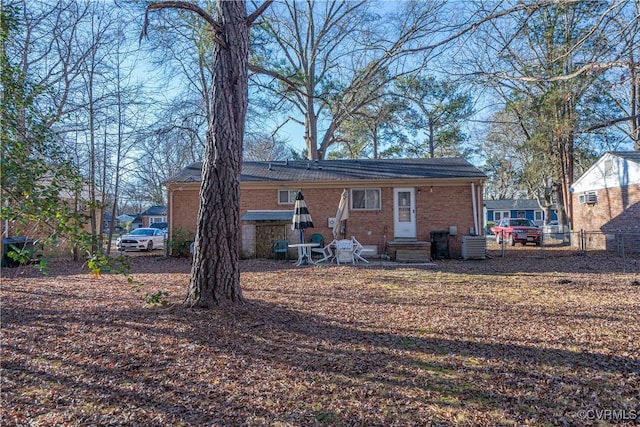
(154, 214)
(389, 200)
(38, 230)
(495, 210)
(128, 222)
(121, 223)
(606, 201)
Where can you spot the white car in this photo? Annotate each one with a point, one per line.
(553, 228)
(145, 239)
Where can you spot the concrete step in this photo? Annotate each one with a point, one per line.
(412, 255)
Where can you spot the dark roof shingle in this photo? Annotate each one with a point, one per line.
(632, 156)
(342, 170)
(512, 204)
(155, 210)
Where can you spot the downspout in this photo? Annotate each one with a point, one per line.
(474, 203)
(170, 218)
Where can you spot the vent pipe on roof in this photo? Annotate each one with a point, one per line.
(308, 165)
(269, 167)
(286, 162)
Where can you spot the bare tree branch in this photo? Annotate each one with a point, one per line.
(291, 85)
(493, 16)
(217, 28)
(611, 122)
(251, 19)
(587, 68)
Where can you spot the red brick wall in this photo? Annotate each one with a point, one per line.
(437, 208)
(617, 209)
(183, 209)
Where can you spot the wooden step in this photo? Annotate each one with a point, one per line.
(412, 255)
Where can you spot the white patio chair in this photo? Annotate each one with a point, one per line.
(327, 252)
(344, 251)
(357, 250)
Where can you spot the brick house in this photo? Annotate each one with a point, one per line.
(154, 214)
(606, 202)
(390, 201)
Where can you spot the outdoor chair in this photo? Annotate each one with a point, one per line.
(357, 250)
(319, 239)
(281, 247)
(344, 251)
(326, 251)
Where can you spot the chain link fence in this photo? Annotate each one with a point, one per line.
(619, 243)
(620, 247)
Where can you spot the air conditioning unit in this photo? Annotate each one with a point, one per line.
(589, 198)
(331, 222)
(474, 247)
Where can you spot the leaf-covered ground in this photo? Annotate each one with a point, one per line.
(521, 340)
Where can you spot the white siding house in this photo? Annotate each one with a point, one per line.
(606, 200)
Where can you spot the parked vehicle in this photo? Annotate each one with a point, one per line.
(517, 230)
(19, 250)
(554, 228)
(146, 239)
(160, 225)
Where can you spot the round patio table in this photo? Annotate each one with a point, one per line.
(304, 253)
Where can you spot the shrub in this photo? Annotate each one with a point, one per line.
(179, 243)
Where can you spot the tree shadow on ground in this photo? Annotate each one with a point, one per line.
(268, 363)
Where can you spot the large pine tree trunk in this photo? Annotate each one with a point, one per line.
(215, 277)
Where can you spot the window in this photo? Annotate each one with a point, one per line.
(287, 197)
(537, 215)
(365, 199)
(588, 197)
(497, 215)
(522, 214)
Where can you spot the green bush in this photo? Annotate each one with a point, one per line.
(179, 243)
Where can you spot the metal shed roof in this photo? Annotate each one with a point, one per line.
(267, 215)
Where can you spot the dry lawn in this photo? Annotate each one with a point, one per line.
(521, 340)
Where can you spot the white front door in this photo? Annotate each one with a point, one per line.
(404, 212)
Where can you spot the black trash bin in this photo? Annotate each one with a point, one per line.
(10, 244)
(440, 244)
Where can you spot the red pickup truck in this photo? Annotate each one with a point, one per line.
(516, 230)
